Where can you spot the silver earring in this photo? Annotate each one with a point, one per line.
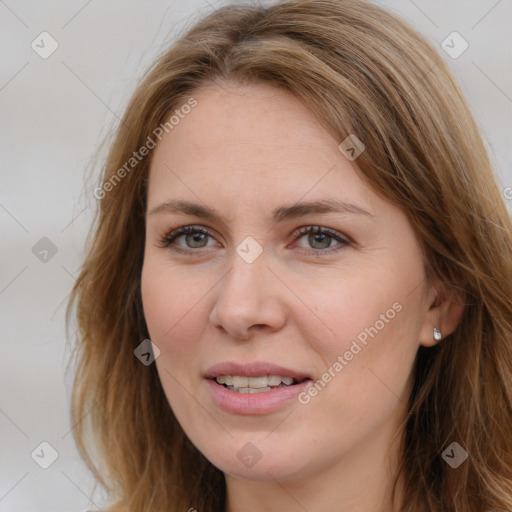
(437, 334)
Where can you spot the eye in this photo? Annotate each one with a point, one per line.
(195, 237)
(320, 238)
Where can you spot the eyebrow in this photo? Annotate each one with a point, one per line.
(279, 214)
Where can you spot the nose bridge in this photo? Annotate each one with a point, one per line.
(241, 288)
(245, 296)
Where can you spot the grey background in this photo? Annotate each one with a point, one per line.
(55, 112)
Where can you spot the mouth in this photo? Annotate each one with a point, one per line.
(259, 384)
(254, 388)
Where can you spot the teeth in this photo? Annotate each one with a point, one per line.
(261, 390)
(239, 382)
(257, 382)
(249, 390)
(253, 384)
(274, 380)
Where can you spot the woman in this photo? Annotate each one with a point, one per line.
(299, 213)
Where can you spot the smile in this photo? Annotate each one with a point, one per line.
(245, 400)
(261, 384)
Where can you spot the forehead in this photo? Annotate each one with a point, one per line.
(251, 144)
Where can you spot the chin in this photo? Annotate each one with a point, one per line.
(260, 460)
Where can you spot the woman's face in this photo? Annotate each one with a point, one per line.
(344, 308)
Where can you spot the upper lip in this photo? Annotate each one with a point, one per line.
(253, 369)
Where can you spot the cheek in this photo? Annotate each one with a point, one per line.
(371, 322)
(170, 301)
(353, 305)
(175, 316)
(158, 303)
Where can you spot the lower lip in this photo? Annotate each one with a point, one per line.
(254, 403)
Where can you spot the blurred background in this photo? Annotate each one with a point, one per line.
(67, 72)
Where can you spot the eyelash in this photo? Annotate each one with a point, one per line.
(167, 241)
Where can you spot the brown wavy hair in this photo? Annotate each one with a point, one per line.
(361, 70)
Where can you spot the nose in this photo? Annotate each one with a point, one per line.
(250, 298)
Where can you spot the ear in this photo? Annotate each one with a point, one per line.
(444, 311)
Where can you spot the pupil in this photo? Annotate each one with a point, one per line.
(323, 237)
(196, 237)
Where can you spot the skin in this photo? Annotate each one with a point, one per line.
(246, 150)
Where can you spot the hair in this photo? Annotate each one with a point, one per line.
(361, 70)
